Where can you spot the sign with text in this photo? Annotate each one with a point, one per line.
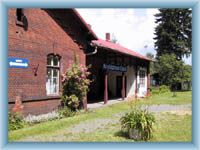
(17, 62)
(114, 68)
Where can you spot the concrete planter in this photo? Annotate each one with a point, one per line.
(134, 134)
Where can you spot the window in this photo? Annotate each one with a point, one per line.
(19, 14)
(142, 77)
(52, 76)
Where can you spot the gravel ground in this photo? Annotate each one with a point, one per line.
(92, 125)
(161, 108)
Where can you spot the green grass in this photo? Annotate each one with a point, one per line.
(167, 98)
(171, 127)
(56, 125)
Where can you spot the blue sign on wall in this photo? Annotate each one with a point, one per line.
(114, 68)
(18, 62)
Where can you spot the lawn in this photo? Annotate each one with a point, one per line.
(102, 124)
(167, 98)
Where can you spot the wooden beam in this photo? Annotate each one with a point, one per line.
(148, 79)
(106, 87)
(136, 74)
(123, 86)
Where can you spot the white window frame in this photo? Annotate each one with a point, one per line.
(142, 77)
(50, 86)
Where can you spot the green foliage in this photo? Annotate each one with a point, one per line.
(153, 63)
(72, 101)
(155, 90)
(140, 120)
(174, 32)
(159, 89)
(15, 121)
(164, 89)
(75, 85)
(149, 55)
(187, 73)
(65, 112)
(173, 71)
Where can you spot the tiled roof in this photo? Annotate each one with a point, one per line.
(118, 48)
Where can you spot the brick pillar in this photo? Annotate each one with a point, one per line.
(123, 86)
(18, 107)
(105, 88)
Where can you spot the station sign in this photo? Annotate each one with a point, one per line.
(114, 68)
(17, 62)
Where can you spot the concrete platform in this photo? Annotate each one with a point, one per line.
(101, 104)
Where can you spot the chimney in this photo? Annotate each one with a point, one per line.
(107, 36)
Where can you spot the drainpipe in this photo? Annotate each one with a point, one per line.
(94, 52)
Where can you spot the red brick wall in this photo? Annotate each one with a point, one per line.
(38, 107)
(44, 36)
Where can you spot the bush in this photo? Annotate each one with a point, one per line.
(155, 90)
(160, 89)
(138, 123)
(66, 112)
(15, 121)
(71, 101)
(164, 89)
(75, 85)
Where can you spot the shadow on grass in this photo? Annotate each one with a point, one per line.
(121, 134)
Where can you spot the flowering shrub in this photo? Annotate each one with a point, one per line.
(31, 119)
(75, 86)
(71, 101)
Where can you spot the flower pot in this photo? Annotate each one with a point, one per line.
(134, 134)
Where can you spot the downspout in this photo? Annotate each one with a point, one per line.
(94, 52)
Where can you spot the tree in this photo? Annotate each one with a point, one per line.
(114, 39)
(173, 71)
(187, 73)
(169, 69)
(173, 32)
(153, 63)
(150, 55)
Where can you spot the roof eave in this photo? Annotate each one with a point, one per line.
(85, 24)
(114, 50)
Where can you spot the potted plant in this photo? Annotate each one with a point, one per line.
(138, 124)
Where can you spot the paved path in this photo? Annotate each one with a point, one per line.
(101, 104)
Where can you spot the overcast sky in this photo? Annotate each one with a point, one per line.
(133, 28)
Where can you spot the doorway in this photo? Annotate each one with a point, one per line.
(119, 86)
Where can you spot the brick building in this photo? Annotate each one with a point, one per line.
(41, 46)
(47, 39)
(117, 72)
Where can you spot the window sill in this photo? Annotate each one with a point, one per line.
(53, 95)
(42, 98)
